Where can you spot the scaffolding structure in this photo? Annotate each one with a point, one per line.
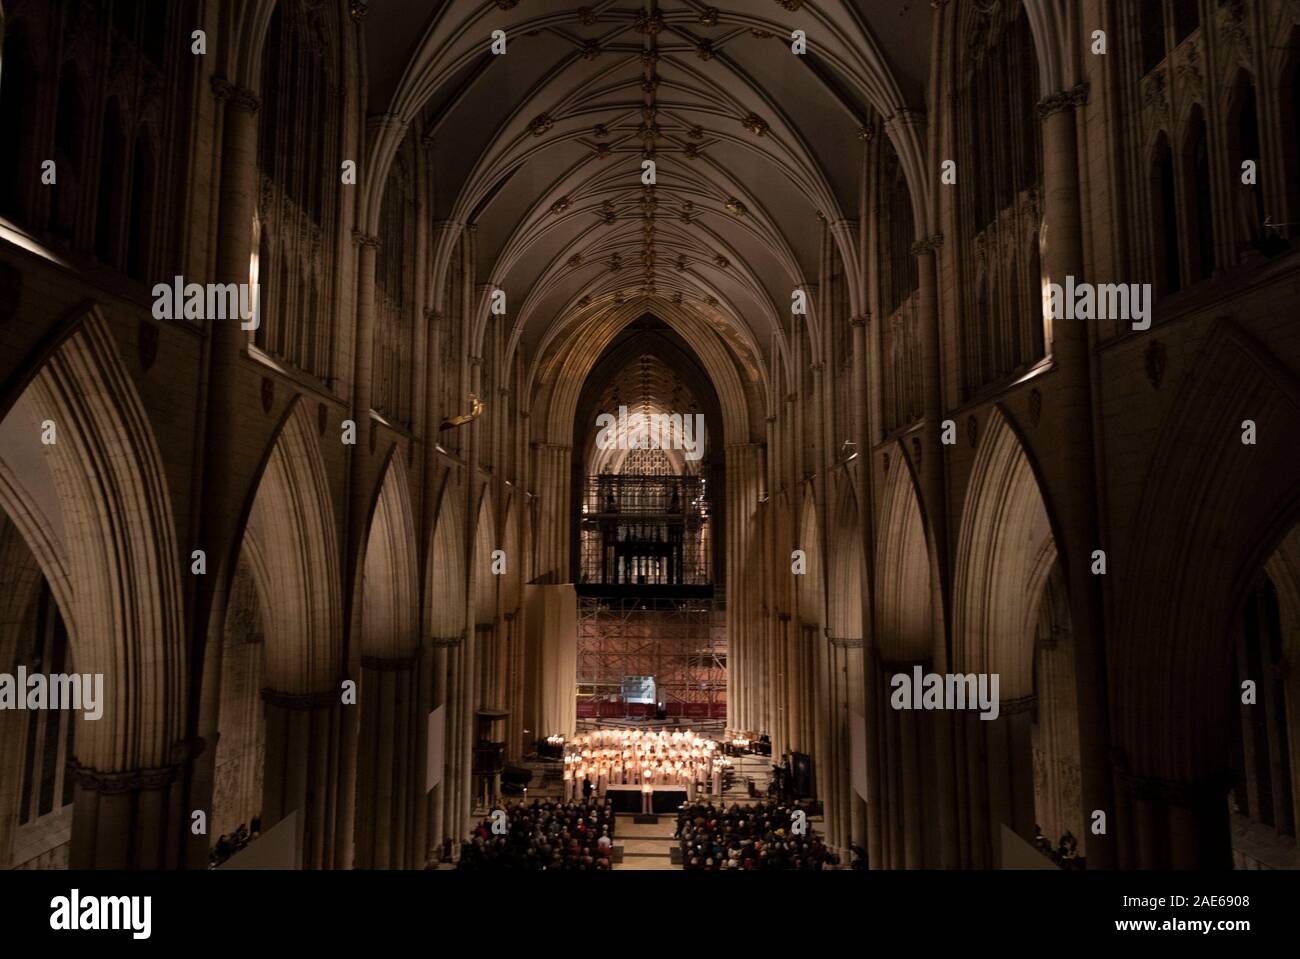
(680, 642)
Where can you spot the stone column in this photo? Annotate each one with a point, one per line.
(930, 467)
(422, 682)
(436, 800)
(1175, 825)
(127, 820)
(222, 489)
(788, 714)
(1076, 500)
(913, 812)
(744, 483)
(453, 801)
(383, 773)
(847, 699)
(358, 510)
(298, 766)
(979, 816)
(873, 694)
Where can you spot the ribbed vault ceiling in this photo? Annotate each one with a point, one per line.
(541, 150)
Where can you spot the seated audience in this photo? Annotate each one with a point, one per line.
(544, 835)
(756, 837)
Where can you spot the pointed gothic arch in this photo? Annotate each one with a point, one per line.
(115, 511)
(1005, 529)
(291, 524)
(445, 571)
(481, 576)
(809, 588)
(389, 584)
(846, 571)
(1213, 506)
(94, 508)
(904, 628)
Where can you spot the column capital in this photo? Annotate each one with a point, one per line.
(123, 782)
(365, 239)
(862, 319)
(445, 642)
(386, 664)
(273, 697)
(927, 245)
(1063, 101)
(241, 98)
(1174, 793)
(1022, 705)
(905, 116)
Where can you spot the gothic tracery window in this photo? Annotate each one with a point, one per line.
(298, 157)
(112, 185)
(1187, 18)
(17, 112)
(143, 188)
(1151, 15)
(1247, 214)
(1000, 145)
(69, 137)
(897, 269)
(395, 268)
(1199, 198)
(1164, 200)
(1290, 104)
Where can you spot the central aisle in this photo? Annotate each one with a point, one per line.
(645, 845)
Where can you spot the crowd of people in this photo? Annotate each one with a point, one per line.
(1065, 853)
(641, 757)
(227, 846)
(763, 836)
(576, 835)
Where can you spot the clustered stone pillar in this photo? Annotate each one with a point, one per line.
(1056, 740)
(302, 757)
(554, 465)
(1077, 499)
(745, 694)
(1174, 825)
(127, 820)
(845, 814)
(387, 755)
(222, 488)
